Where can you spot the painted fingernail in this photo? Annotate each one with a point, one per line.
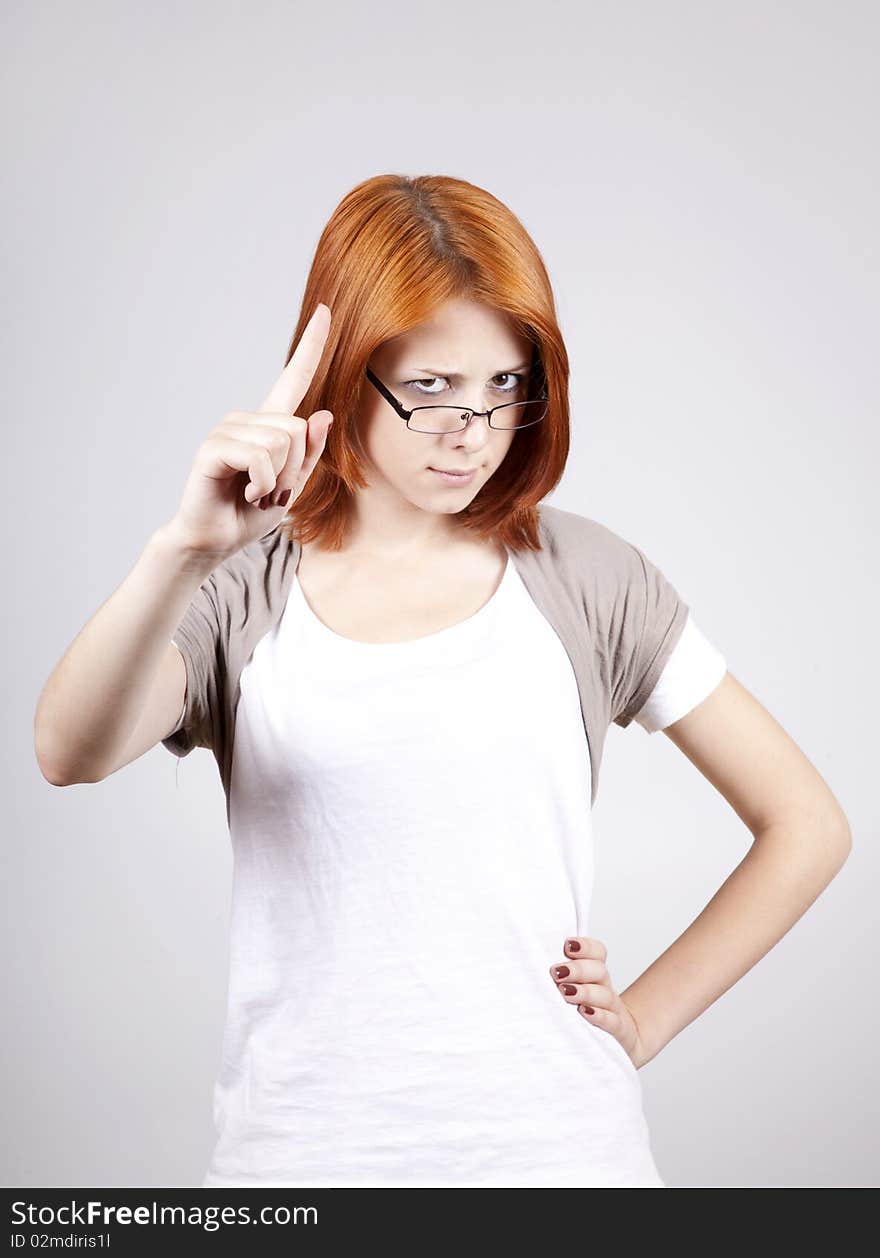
(569, 989)
(588, 1009)
(562, 971)
(284, 498)
(572, 945)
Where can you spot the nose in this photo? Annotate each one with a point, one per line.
(475, 432)
(474, 418)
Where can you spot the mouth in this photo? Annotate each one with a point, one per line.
(455, 477)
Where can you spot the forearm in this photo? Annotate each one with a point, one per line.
(94, 696)
(781, 875)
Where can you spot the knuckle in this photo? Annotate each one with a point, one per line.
(277, 441)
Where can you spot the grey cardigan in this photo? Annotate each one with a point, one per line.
(616, 614)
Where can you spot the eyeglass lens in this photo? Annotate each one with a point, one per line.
(439, 419)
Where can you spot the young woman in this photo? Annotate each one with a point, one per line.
(405, 664)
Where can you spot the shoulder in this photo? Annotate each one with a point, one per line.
(582, 545)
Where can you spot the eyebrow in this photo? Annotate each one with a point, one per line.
(454, 375)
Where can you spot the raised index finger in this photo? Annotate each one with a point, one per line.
(291, 386)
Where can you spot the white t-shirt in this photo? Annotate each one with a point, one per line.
(412, 844)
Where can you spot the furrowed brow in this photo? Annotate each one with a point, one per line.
(455, 375)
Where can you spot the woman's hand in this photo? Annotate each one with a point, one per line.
(253, 464)
(583, 980)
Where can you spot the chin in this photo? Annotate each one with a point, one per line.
(434, 508)
(440, 500)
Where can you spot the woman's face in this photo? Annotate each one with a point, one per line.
(467, 355)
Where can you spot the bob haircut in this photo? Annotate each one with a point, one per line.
(394, 250)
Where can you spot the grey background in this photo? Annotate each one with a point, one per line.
(701, 179)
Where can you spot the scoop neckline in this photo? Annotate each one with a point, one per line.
(451, 634)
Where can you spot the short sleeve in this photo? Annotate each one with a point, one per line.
(198, 639)
(691, 673)
(645, 633)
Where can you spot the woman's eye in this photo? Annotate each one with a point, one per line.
(515, 376)
(408, 383)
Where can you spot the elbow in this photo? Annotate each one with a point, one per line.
(46, 762)
(47, 752)
(54, 779)
(823, 843)
(836, 844)
(51, 771)
(51, 766)
(845, 841)
(57, 776)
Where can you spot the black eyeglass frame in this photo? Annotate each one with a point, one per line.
(407, 414)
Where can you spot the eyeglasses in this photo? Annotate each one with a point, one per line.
(441, 419)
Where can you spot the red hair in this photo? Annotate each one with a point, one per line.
(395, 249)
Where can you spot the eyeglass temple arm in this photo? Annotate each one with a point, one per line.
(389, 397)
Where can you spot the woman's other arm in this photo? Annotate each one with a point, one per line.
(801, 840)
